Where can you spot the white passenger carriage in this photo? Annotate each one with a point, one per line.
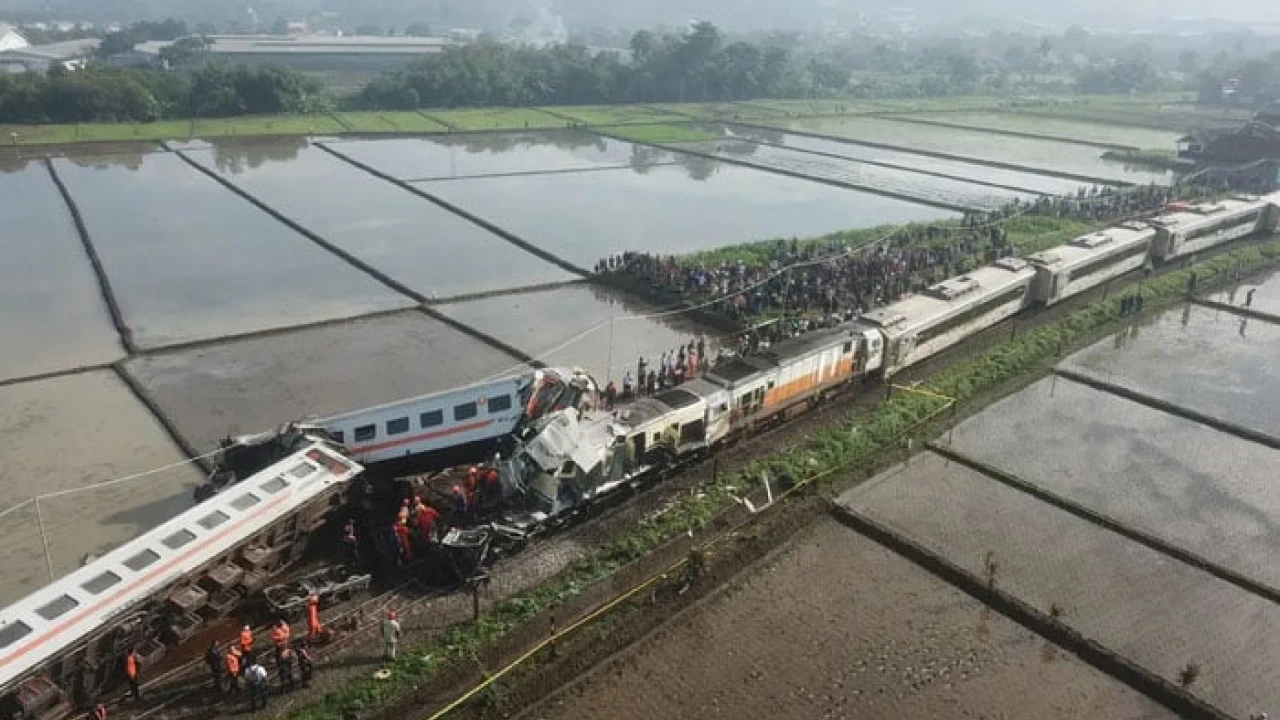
(65, 642)
(1206, 225)
(923, 325)
(429, 423)
(1090, 260)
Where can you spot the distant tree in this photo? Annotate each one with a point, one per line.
(1189, 62)
(185, 51)
(116, 43)
(1075, 39)
(280, 26)
(418, 29)
(368, 29)
(963, 72)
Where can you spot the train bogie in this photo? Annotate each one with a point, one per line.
(1089, 261)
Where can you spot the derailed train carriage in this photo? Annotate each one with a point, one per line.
(61, 646)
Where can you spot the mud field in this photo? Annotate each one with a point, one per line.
(580, 317)
(1209, 361)
(1159, 613)
(1197, 488)
(67, 433)
(248, 386)
(836, 626)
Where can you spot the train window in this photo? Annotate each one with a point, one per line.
(13, 632)
(338, 436)
(970, 315)
(848, 348)
(214, 519)
(141, 560)
(465, 411)
(245, 501)
(499, 403)
(431, 419)
(365, 433)
(273, 486)
(178, 539)
(57, 608)
(302, 470)
(100, 583)
(399, 426)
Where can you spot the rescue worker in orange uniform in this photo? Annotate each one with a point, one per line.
(401, 529)
(491, 491)
(246, 640)
(402, 515)
(131, 672)
(459, 502)
(313, 618)
(232, 660)
(99, 712)
(426, 517)
(280, 634)
(473, 480)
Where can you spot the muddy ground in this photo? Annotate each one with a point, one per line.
(836, 626)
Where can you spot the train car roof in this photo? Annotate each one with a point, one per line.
(950, 297)
(1087, 247)
(1207, 213)
(67, 611)
(468, 389)
(736, 369)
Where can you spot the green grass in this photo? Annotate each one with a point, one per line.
(834, 458)
(615, 114)
(384, 122)
(657, 133)
(365, 122)
(465, 119)
(816, 107)
(719, 111)
(268, 125)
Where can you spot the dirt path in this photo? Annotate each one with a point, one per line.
(836, 626)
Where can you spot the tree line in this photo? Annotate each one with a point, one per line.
(695, 66)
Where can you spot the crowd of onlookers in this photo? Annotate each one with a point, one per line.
(833, 279)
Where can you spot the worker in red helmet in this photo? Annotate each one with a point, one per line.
(426, 518)
(401, 530)
(459, 501)
(313, 617)
(246, 640)
(473, 481)
(390, 636)
(402, 515)
(131, 667)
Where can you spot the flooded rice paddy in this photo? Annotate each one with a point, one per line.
(571, 327)
(1210, 361)
(54, 317)
(460, 156)
(1199, 489)
(974, 172)
(1072, 130)
(1055, 155)
(1266, 294)
(189, 260)
(71, 432)
(254, 384)
(696, 205)
(913, 185)
(1153, 610)
(837, 626)
(414, 241)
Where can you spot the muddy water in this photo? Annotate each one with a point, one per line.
(1213, 362)
(699, 204)
(52, 315)
(1155, 611)
(1266, 294)
(1208, 492)
(1070, 130)
(459, 156)
(1031, 182)
(903, 182)
(413, 240)
(1047, 154)
(189, 260)
(836, 626)
(255, 384)
(571, 327)
(72, 432)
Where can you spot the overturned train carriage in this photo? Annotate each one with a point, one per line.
(62, 646)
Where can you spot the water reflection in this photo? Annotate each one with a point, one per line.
(100, 155)
(237, 155)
